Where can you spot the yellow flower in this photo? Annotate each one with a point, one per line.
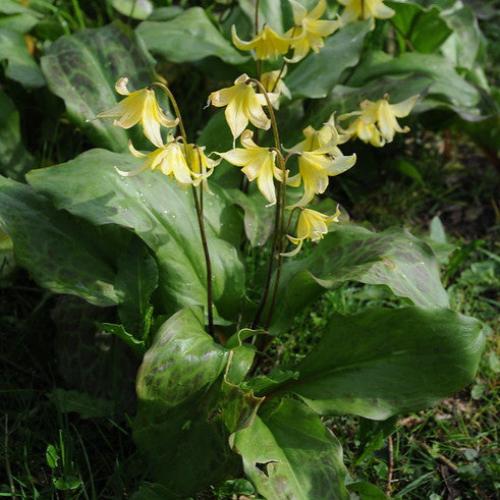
(139, 106)
(310, 30)
(377, 121)
(267, 44)
(319, 159)
(365, 9)
(169, 159)
(200, 164)
(258, 163)
(312, 225)
(243, 105)
(272, 85)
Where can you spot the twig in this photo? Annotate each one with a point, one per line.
(440, 458)
(390, 451)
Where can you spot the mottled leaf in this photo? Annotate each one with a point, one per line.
(62, 253)
(393, 258)
(188, 37)
(162, 214)
(383, 362)
(82, 69)
(288, 453)
(18, 62)
(176, 427)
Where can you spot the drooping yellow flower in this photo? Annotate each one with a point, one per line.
(309, 31)
(243, 104)
(272, 84)
(312, 225)
(319, 159)
(365, 9)
(139, 106)
(200, 164)
(267, 44)
(377, 123)
(258, 163)
(169, 159)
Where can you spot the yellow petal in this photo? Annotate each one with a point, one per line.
(404, 108)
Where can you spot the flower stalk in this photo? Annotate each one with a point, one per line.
(278, 221)
(198, 203)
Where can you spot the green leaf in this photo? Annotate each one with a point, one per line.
(366, 491)
(258, 217)
(162, 214)
(383, 362)
(288, 453)
(463, 47)
(393, 258)
(345, 99)
(316, 75)
(62, 253)
(14, 159)
(136, 9)
(447, 85)
(19, 65)
(138, 346)
(188, 37)
(422, 28)
(82, 69)
(138, 274)
(176, 428)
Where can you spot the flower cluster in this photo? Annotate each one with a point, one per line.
(251, 102)
(185, 162)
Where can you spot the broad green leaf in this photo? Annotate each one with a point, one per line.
(162, 214)
(82, 69)
(62, 253)
(288, 453)
(136, 9)
(270, 13)
(464, 45)
(258, 218)
(316, 75)
(393, 258)
(447, 86)
(18, 62)
(188, 37)
(176, 428)
(366, 491)
(423, 29)
(138, 346)
(138, 274)
(14, 159)
(383, 362)
(344, 99)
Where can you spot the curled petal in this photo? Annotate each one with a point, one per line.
(121, 86)
(296, 241)
(403, 108)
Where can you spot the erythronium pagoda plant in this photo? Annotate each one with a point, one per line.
(214, 402)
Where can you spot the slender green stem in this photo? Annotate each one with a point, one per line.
(278, 221)
(280, 74)
(198, 203)
(256, 23)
